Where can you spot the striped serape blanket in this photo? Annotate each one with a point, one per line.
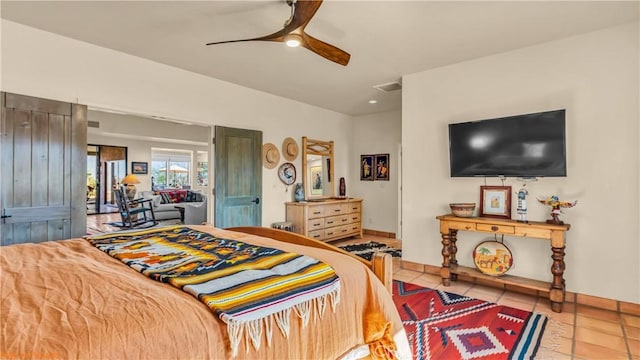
(249, 287)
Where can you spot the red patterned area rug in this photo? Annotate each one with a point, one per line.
(442, 325)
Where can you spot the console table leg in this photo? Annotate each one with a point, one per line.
(445, 272)
(556, 294)
(453, 250)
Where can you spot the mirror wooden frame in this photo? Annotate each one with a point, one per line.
(325, 150)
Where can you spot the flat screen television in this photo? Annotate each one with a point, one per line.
(529, 145)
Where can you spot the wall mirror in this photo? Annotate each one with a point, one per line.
(317, 166)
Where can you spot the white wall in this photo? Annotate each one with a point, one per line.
(595, 77)
(376, 134)
(79, 72)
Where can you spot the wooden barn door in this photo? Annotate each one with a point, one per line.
(43, 182)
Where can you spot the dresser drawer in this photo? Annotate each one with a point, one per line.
(317, 211)
(353, 228)
(354, 218)
(355, 207)
(315, 224)
(343, 231)
(500, 229)
(336, 220)
(332, 232)
(336, 209)
(317, 235)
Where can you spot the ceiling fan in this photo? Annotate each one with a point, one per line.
(293, 33)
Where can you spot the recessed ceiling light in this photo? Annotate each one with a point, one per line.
(373, 101)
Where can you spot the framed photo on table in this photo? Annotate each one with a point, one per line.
(495, 201)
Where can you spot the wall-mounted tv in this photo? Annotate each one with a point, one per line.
(529, 145)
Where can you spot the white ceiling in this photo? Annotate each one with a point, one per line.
(386, 39)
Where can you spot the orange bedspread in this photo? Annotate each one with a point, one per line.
(67, 299)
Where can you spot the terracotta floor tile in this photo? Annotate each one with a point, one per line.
(432, 278)
(600, 338)
(458, 287)
(590, 351)
(516, 304)
(487, 290)
(609, 327)
(520, 297)
(482, 296)
(566, 316)
(408, 278)
(598, 313)
(426, 280)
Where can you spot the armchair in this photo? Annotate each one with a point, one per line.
(195, 213)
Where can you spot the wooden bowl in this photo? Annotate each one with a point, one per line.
(463, 209)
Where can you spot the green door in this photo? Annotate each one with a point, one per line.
(238, 177)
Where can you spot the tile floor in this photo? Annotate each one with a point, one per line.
(578, 333)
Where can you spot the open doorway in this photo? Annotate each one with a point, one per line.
(106, 165)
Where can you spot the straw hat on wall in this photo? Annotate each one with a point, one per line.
(289, 149)
(270, 155)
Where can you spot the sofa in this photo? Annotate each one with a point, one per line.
(166, 202)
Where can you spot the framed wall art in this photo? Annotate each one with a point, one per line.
(316, 180)
(381, 168)
(139, 167)
(366, 167)
(495, 201)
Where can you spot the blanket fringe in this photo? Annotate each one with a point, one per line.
(550, 339)
(251, 331)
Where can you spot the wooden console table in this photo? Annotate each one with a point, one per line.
(450, 225)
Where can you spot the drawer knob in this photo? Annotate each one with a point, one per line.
(494, 228)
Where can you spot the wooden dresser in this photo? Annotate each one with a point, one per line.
(326, 220)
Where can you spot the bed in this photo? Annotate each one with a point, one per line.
(68, 299)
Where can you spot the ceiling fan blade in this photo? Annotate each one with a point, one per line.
(325, 50)
(276, 36)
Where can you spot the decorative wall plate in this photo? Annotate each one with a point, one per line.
(287, 173)
(492, 258)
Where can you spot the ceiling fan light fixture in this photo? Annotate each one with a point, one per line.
(293, 40)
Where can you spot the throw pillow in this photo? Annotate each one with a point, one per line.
(157, 200)
(166, 199)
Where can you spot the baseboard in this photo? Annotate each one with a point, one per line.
(379, 233)
(570, 297)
